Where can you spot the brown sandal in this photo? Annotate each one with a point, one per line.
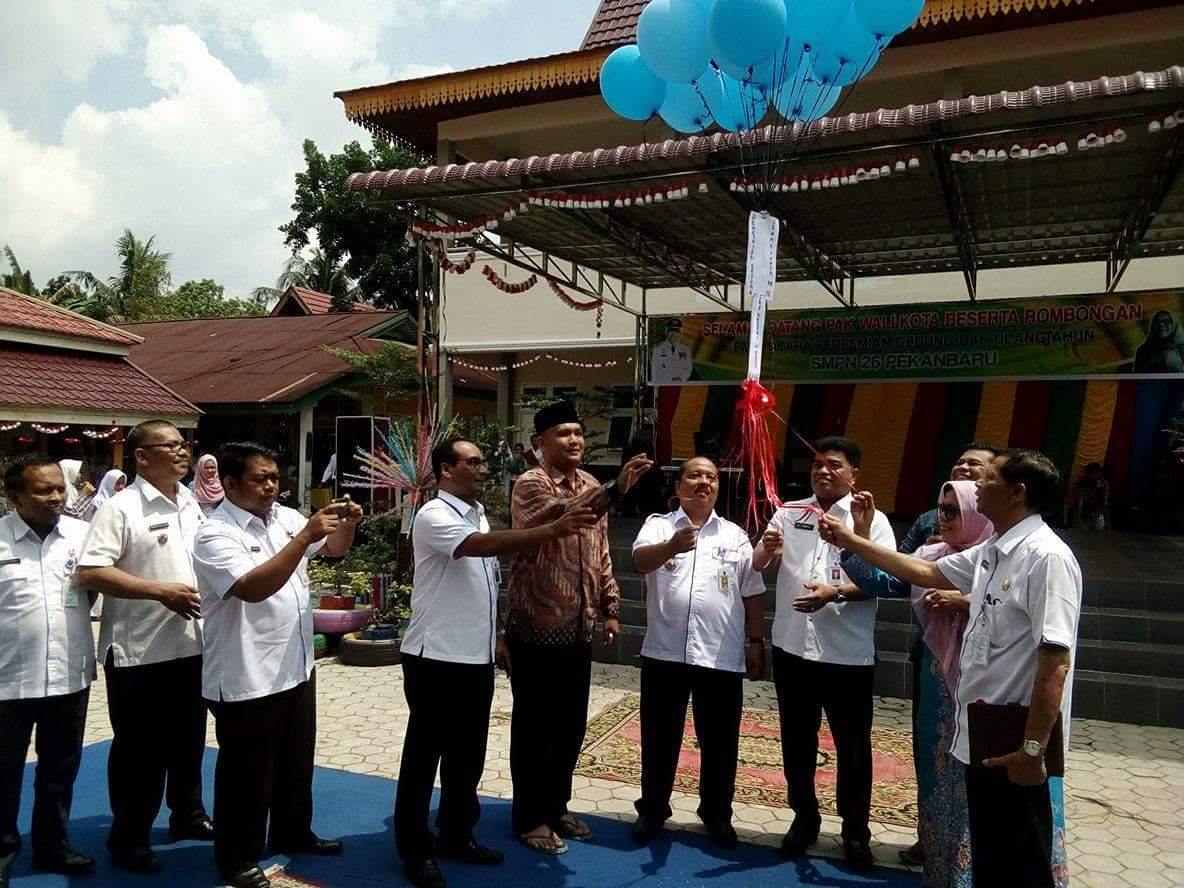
(573, 829)
(543, 843)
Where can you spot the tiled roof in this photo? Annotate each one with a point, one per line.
(316, 302)
(615, 21)
(29, 313)
(39, 377)
(272, 360)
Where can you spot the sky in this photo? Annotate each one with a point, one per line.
(184, 119)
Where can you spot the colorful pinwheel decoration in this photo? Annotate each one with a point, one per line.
(403, 464)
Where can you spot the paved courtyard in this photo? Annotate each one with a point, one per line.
(1124, 788)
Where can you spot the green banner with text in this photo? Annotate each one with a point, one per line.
(1133, 334)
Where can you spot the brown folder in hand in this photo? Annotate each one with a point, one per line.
(997, 730)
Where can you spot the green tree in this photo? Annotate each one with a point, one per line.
(17, 278)
(320, 273)
(369, 240)
(392, 371)
(141, 282)
(203, 299)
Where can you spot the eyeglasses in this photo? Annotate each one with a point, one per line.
(171, 446)
(949, 513)
(476, 462)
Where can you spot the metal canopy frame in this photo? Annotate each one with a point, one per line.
(1106, 206)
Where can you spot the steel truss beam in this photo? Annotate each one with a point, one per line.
(951, 191)
(1144, 209)
(821, 267)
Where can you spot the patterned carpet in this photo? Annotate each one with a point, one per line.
(612, 751)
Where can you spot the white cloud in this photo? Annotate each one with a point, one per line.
(207, 168)
(84, 32)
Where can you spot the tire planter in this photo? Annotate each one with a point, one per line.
(356, 651)
(381, 632)
(337, 602)
(335, 622)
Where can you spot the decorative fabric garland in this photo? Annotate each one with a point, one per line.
(833, 179)
(48, 429)
(1165, 120)
(100, 435)
(461, 267)
(504, 285)
(9, 426)
(518, 365)
(418, 231)
(646, 196)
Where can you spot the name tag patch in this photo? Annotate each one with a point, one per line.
(154, 527)
(803, 525)
(256, 549)
(9, 561)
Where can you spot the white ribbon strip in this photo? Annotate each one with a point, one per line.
(759, 280)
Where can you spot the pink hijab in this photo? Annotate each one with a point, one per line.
(943, 631)
(207, 490)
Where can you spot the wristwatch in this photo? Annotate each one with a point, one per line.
(840, 598)
(1034, 749)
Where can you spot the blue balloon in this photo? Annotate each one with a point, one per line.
(746, 33)
(630, 88)
(810, 101)
(887, 18)
(848, 54)
(814, 21)
(687, 107)
(672, 38)
(736, 106)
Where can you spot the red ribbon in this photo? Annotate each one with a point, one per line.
(752, 449)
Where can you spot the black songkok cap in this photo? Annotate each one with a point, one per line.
(555, 414)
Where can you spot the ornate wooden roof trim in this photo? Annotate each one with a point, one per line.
(943, 11)
(530, 75)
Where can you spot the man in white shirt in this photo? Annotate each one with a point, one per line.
(824, 654)
(705, 628)
(47, 662)
(448, 654)
(139, 555)
(671, 360)
(251, 558)
(1025, 588)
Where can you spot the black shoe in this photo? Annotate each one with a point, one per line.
(795, 843)
(199, 831)
(136, 860)
(645, 828)
(248, 877)
(312, 845)
(67, 863)
(425, 874)
(859, 855)
(722, 833)
(470, 852)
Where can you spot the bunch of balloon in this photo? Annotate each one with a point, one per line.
(727, 62)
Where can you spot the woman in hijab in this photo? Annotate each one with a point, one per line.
(113, 482)
(207, 486)
(78, 491)
(1163, 350)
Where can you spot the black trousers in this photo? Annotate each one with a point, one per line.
(717, 699)
(547, 729)
(60, 721)
(806, 689)
(265, 764)
(448, 728)
(1010, 830)
(159, 720)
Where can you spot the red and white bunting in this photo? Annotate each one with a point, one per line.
(506, 287)
(461, 267)
(665, 193)
(48, 429)
(418, 231)
(518, 365)
(9, 426)
(1165, 120)
(869, 172)
(595, 304)
(100, 434)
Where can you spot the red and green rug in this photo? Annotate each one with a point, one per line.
(612, 751)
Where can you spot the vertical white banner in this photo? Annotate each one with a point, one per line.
(759, 279)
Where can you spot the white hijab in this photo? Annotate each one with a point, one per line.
(71, 469)
(107, 488)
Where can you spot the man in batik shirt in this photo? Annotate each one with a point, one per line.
(557, 591)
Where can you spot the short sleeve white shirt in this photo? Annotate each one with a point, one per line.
(695, 601)
(255, 649)
(144, 533)
(1025, 591)
(46, 645)
(453, 599)
(840, 633)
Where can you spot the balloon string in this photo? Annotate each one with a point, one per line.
(813, 449)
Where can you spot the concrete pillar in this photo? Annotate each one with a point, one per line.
(447, 378)
(304, 466)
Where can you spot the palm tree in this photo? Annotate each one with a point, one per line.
(143, 278)
(17, 279)
(319, 273)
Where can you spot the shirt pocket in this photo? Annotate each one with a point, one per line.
(12, 571)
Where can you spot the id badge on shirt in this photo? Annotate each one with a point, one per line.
(980, 646)
(70, 597)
